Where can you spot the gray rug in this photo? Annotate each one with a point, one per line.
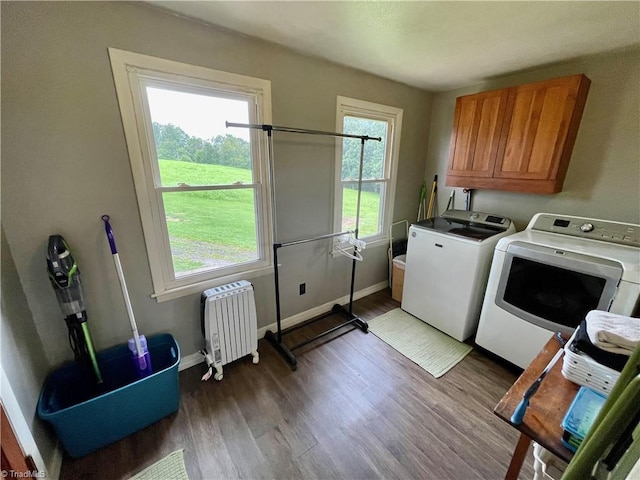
(433, 350)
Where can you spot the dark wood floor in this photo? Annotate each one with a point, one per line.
(354, 409)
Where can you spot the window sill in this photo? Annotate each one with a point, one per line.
(199, 287)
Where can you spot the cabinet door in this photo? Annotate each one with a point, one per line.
(544, 118)
(476, 134)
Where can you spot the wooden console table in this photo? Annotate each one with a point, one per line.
(546, 409)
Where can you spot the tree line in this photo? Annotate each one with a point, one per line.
(173, 143)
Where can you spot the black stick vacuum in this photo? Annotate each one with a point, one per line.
(65, 279)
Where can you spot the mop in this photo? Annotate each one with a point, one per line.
(138, 344)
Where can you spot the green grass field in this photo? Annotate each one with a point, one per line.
(212, 228)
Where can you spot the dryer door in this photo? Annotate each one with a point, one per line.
(553, 288)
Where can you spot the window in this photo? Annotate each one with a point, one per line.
(380, 162)
(202, 188)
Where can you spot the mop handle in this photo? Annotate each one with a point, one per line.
(112, 239)
(123, 284)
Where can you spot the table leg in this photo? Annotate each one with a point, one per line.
(517, 459)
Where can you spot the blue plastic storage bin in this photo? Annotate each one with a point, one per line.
(87, 416)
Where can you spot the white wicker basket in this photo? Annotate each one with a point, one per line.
(580, 368)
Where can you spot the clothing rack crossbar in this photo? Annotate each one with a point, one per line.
(321, 237)
(274, 128)
(276, 339)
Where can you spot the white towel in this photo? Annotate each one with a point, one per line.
(612, 332)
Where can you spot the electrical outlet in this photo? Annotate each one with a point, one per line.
(303, 288)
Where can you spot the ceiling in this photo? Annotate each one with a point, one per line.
(433, 45)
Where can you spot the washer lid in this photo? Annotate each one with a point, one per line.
(460, 228)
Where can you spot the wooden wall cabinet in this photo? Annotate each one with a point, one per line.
(519, 138)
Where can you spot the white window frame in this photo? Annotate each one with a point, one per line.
(131, 72)
(346, 106)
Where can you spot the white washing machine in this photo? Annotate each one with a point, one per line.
(549, 276)
(447, 267)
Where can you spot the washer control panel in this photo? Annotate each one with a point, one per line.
(602, 230)
(478, 218)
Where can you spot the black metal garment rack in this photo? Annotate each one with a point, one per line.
(276, 339)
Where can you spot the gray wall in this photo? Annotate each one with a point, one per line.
(65, 161)
(603, 180)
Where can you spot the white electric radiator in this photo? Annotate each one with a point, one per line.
(229, 325)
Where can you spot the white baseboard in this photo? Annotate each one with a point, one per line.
(196, 358)
(190, 361)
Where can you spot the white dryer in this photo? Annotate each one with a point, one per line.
(447, 267)
(549, 276)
